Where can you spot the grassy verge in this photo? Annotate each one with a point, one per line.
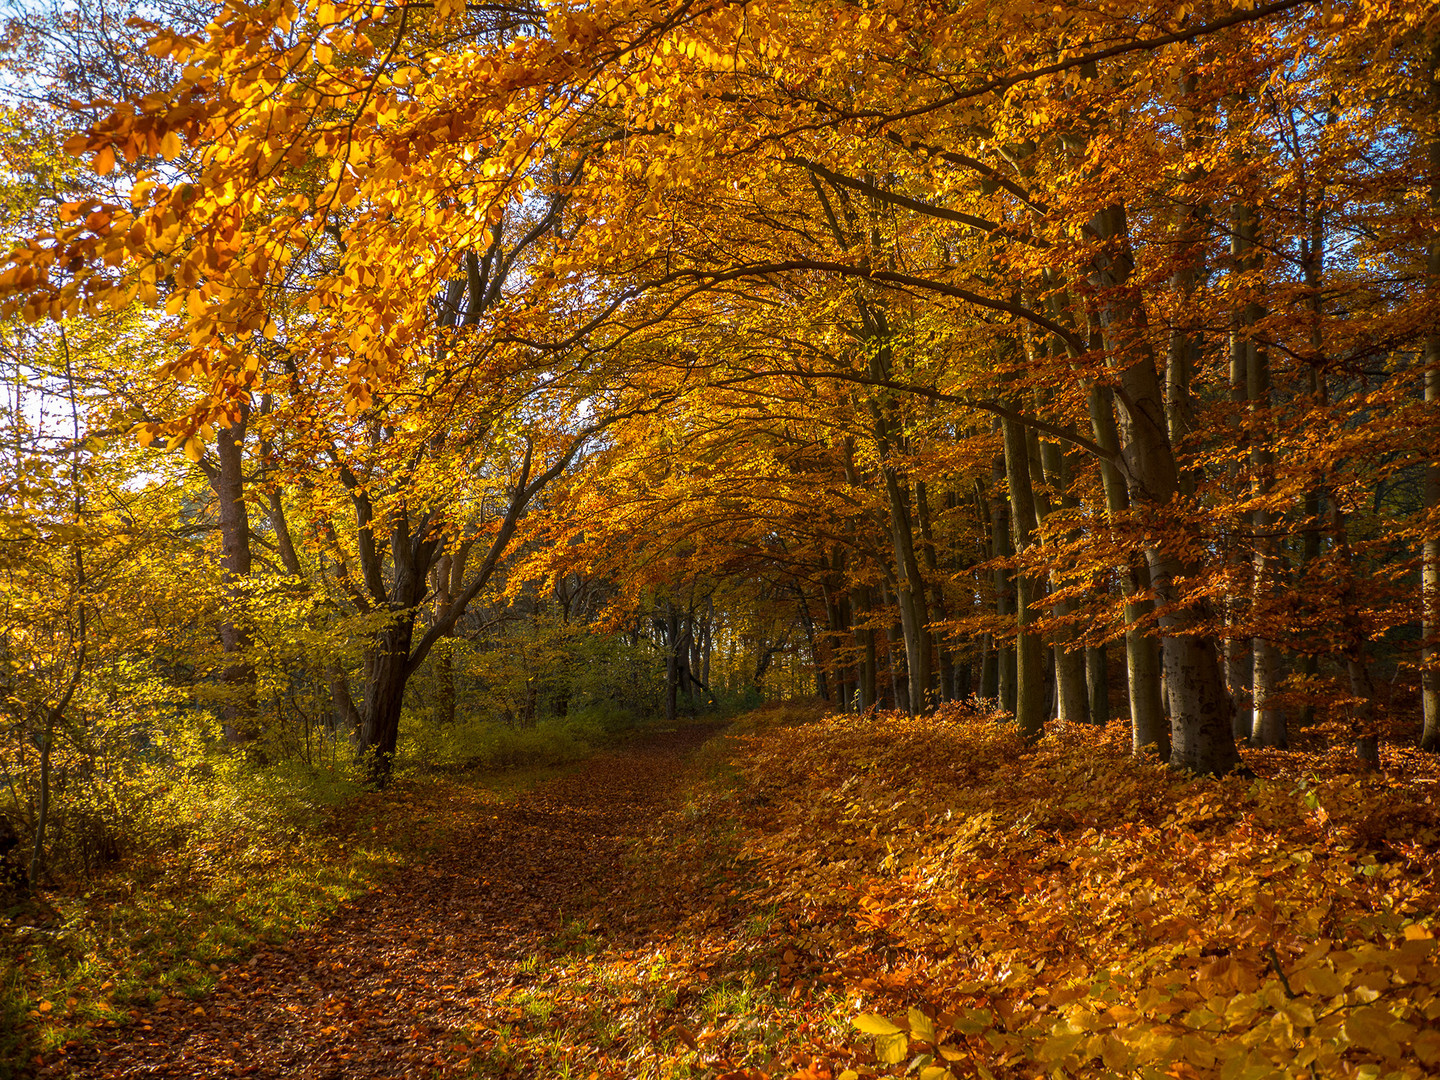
(167, 924)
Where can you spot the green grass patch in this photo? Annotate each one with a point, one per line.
(165, 924)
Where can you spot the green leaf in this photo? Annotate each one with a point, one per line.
(973, 1021)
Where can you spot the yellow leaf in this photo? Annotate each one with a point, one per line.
(875, 1024)
(921, 1027)
(193, 449)
(105, 160)
(1427, 1047)
(170, 146)
(891, 1049)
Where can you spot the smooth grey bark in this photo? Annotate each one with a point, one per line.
(895, 639)
(1097, 685)
(1148, 724)
(1030, 702)
(1072, 697)
(1007, 672)
(1267, 723)
(1200, 727)
(938, 608)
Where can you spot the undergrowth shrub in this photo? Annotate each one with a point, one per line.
(474, 744)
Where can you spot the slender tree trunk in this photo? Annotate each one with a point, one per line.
(863, 630)
(938, 609)
(671, 634)
(709, 644)
(899, 683)
(239, 718)
(1267, 726)
(1148, 726)
(346, 717)
(1072, 704)
(822, 684)
(1239, 664)
(1030, 703)
(444, 659)
(1097, 685)
(989, 655)
(910, 594)
(1430, 547)
(1006, 661)
(1201, 738)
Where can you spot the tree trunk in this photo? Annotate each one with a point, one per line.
(910, 594)
(387, 668)
(239, 716)
(1201, 737)
(1148, 726)
(444, 660)
(1097, 685)
(1030, 703)
(895, 638)
(1072, 703)
(938, 609)
(670, 632)
(864, 633)
(1006, 663)
(1267, 725)
(1430, 547)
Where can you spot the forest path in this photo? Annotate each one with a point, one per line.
(413, 979)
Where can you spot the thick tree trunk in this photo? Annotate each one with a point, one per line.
(387, 670)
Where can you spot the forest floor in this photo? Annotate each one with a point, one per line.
(860, 897)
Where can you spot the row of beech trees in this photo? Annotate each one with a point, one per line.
(976, 342)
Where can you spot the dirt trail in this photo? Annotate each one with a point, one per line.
(387, 986)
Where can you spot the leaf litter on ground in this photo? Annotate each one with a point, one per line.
(864, 896)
